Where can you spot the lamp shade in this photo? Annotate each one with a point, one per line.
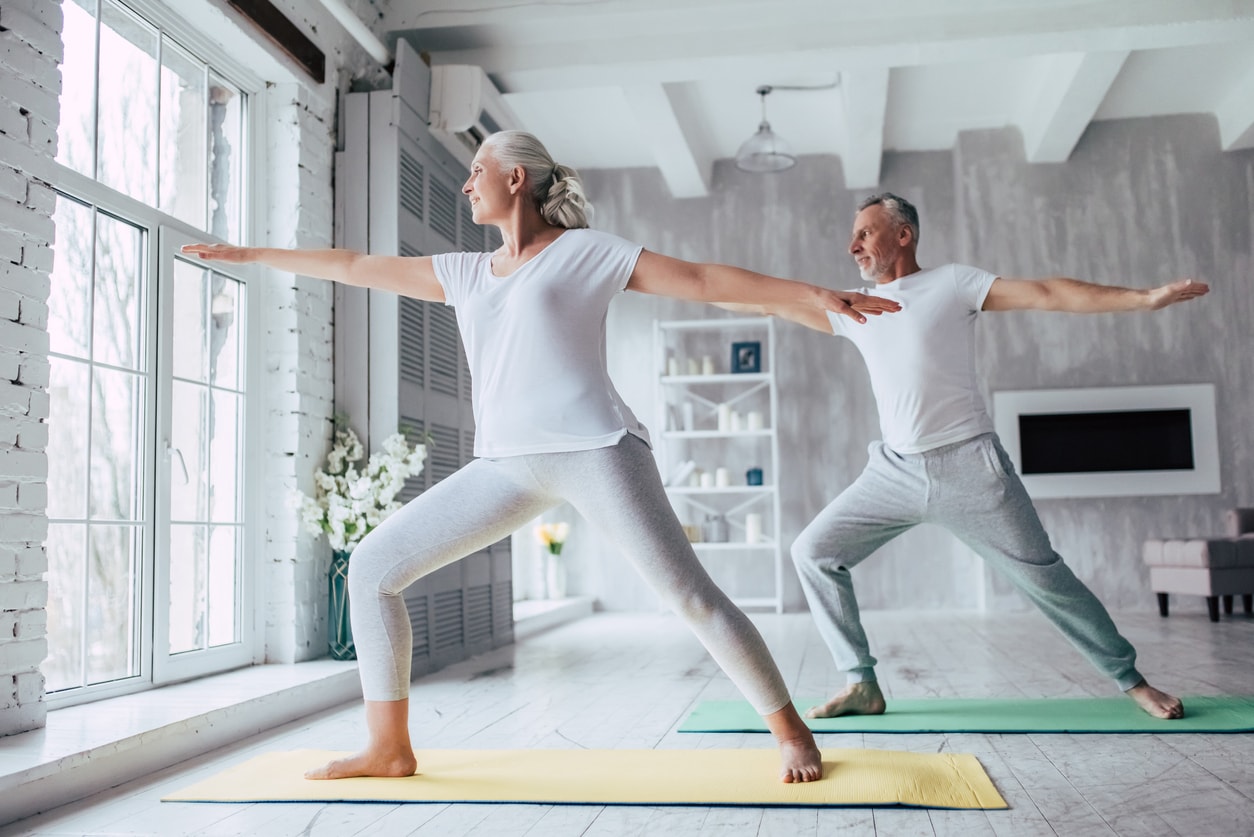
(765, 152)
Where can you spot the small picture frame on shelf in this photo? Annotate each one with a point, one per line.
(746, 356)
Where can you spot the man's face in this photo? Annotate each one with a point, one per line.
(877, 243)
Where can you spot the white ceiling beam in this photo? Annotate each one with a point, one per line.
(1070, 90)
(864, 95)
(687, 175)
(1236, 115)
(566, 56)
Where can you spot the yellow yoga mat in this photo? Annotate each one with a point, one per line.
(618, 777)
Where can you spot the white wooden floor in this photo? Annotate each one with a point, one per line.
(629, 680)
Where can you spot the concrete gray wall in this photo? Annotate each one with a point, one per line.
(1140, 202)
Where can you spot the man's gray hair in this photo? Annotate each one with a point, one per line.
(902, 211)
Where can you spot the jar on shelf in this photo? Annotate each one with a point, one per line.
(715, 528)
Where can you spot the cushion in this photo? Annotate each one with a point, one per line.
(1215, 553)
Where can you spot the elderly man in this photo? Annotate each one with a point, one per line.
(939, 460)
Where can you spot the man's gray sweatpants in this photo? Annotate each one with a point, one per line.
(971, 489)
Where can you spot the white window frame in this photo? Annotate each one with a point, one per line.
(168, 668)
(160, 226)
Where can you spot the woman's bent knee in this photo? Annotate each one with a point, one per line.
(366, 571)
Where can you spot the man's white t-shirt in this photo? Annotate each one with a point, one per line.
(535, 343)
(922, 358)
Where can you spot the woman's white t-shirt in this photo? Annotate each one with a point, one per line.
(922, 358)
(535, 343)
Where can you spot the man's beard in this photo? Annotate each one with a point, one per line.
(872, 272)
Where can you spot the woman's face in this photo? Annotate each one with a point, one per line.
(487, 188)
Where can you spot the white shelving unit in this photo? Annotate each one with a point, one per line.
(734, 447)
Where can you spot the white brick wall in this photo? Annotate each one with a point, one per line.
(30, 83)
(300, 386)
(297, 388)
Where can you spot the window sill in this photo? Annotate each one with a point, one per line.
(88, 748)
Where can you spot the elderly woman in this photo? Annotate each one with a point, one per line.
(549, 427)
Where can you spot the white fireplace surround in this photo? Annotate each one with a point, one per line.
(1198, 399)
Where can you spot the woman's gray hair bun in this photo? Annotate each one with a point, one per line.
(556, 189)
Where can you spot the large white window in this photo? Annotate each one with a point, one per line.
(149, 573)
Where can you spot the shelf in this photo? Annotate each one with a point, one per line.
(721, 378)
(714, 323)
(717, 434)
(742, 603)
(702, 445)
(725, 489)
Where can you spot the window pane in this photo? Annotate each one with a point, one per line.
(67, 439)
(224, 456)
(126, 139)
(187, 587)
(118, 320)
(78, 86)
(116, 412)
(223, 569)
(190, 342)
(224, 333)
(182, 135)
(112, 591)
(69, 303)
(63, 666)
(188, 485)
(226, 145)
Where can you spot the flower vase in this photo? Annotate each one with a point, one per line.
(554, 577)
(339, 627)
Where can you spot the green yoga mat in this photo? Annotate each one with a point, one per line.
(1078, 715)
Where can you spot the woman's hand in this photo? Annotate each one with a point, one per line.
(855, 304)
(221, 252)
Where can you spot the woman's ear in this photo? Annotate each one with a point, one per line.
(517, 177)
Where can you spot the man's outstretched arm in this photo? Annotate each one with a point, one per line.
(1059, 293)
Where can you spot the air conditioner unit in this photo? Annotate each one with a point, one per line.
(465, 108)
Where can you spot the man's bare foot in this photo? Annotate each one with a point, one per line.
(367, 763)
(1156, 703)
(800, 761)
(863, 698)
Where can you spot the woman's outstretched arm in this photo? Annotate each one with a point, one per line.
(715, 283)
(411, 276)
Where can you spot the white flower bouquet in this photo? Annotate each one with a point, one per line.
(348, 503)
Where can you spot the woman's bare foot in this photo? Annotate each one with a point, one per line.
(863, 698)
(1156, 703)
(388, 751)
(367, 763)
(800, 761)
(799, 757)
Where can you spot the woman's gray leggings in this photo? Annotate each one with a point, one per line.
(617, 489)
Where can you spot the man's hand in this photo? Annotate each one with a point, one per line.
(1180, 291)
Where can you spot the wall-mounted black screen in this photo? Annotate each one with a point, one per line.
(1135, 440)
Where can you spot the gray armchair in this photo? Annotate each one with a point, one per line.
(1217, 568)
